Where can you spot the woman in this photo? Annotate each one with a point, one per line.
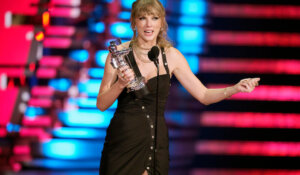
(130, 141)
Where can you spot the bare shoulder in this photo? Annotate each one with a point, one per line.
(173, 54)
(174, 58)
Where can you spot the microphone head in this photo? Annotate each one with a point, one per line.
(153, 53)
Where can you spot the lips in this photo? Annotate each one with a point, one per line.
(148, 32)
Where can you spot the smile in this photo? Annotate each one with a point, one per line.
(148, 32)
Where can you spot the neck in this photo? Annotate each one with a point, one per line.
(145, 45)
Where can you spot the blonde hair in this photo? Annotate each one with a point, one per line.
(153, 7)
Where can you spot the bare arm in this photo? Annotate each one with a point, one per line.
(194, 86)
(110, 87)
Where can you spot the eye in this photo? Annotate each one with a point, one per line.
(155, 18)
(142, 18)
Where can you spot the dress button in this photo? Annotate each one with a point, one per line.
(148, 116)
(143, 107)
(147, 168)
(151, 126)
(150, 158)
(151, 147)
(152, 137)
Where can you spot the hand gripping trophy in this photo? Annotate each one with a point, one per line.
(119, 59)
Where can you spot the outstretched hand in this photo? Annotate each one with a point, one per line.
(247, 84)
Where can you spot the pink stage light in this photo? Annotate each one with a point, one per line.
(32, 67)
(65, 12)
(7, 104)
(57, 42)
(249, 148)
(255, 11)
(22, 79)
(270, 39)
(40, 102)
(66, 2)
(3, 132)
(21, 149)
(40, 121)
(244, 172)
(266, 93)
(42, 91)
(9, 55)
(250, 120)
(14, 72)
(39, 133)
(247, 65)
(19, 6)
(46, 73)
(51, 61)
(60, 30)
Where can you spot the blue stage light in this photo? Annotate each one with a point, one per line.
(193, 61)
(71, 149)
(88, 102)
(124, 15)
(79, 55)
(90, 87)
(32, 112)
(195, 7)
(61, 84)
(56, 164)
(192, 20)
(121, 30)
(99, 27)
(96, 72)
(175, 117)
(190, 35)
(86, 118)
(127, 3)
(13, 127)
(190, 49)
(87, 133)
(101, 57)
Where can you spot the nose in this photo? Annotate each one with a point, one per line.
(148, 23)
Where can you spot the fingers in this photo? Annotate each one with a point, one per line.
(248, 84)
(256, 80)
(125, 74)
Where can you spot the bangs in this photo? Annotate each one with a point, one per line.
(148, 10)
(147, 7)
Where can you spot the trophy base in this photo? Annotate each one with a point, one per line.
(141, 92)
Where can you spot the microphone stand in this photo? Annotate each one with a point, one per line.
(156, 62)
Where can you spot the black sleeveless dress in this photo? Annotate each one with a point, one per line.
(129, 143)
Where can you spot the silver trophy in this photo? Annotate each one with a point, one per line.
(119, 58)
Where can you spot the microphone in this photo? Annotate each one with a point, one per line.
(153, 54)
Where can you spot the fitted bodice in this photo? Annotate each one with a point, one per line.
(127, 101)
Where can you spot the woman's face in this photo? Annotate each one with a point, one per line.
(148, 27)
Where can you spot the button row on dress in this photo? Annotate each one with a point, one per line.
(152, 132)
